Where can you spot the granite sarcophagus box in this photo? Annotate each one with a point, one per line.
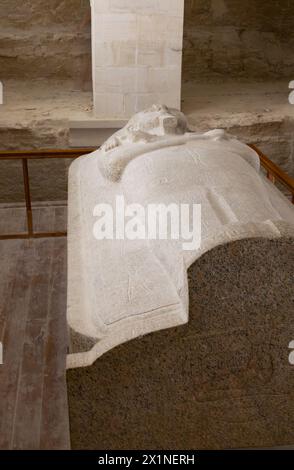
(175, 348)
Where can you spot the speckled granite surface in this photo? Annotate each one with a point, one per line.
(78, 342)
(221, 381)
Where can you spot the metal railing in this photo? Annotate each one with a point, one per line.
(274, 173)
(24, 156)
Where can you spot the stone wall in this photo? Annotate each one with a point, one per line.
(41, 39)
(45, 39)
(245, 39)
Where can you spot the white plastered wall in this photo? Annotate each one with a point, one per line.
(136, 55)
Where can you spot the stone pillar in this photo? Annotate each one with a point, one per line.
(136, 54)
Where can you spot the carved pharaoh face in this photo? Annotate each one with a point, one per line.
(158, 120)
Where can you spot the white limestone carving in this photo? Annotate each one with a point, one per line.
(121, 289)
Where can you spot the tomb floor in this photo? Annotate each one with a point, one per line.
(33, 404)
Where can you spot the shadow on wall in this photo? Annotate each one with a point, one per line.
(250, 40)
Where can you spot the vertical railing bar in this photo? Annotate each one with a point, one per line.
(26, 182)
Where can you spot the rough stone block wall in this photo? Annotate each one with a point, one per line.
(45, 39)
(238, 39)
(41, 39)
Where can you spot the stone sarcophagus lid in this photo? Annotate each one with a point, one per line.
(175, 348)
